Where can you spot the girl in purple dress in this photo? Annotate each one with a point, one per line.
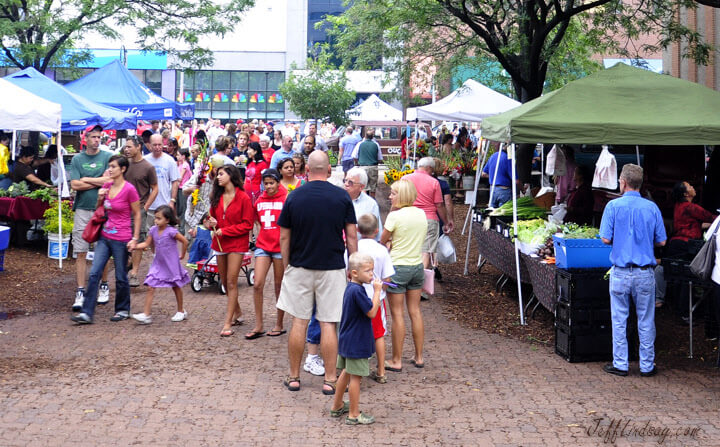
(166, 270)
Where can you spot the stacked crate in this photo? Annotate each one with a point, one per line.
(583, 331)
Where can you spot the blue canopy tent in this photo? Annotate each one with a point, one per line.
(77, 112)
(114, 85)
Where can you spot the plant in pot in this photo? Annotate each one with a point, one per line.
(51, 226)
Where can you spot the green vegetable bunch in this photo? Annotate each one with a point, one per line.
(526, 209)
(51, 218)
(575, 231)
(44, 194)
(15, 190)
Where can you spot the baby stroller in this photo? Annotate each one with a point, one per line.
(206, 274)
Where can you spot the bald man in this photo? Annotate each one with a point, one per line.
(311, 241)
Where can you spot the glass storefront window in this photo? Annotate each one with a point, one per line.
(232, 95)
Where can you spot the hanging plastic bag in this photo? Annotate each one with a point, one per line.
(555, 164)
(445, 250)
(605, 171)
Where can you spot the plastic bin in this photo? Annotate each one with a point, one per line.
(4, 237)
(2, 260)
(581, 253)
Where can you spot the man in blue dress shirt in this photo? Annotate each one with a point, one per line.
(633, 226)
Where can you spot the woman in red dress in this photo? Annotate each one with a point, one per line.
(231, 219)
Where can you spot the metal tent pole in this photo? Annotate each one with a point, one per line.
(485, 145)
(517, 251)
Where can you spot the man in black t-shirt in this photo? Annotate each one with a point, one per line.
(312, 223)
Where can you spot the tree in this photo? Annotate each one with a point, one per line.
(532, 40)
(319, 92)
(44, 33)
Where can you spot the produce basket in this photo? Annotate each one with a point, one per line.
(581, 253)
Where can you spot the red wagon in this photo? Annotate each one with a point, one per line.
(206, 274)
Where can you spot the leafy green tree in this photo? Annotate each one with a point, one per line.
(43, 33)
(319, 92)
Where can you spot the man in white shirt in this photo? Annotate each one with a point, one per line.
(285, 151)
(355, 181)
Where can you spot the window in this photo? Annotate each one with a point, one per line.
(232, 95)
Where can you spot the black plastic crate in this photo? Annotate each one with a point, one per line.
(594, 345)
(578, 316)
(583, 287)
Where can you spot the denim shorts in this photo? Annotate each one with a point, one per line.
(259, 252)
(407, 277)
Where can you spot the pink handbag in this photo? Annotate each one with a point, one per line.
(429, 283)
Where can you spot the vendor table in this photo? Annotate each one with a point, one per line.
(22, 208)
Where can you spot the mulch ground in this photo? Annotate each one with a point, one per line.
(33, 283)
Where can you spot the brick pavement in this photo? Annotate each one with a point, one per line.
(181, 384)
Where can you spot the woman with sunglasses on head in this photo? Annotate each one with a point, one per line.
(231, 221)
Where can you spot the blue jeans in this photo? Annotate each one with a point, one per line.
(639, 286)
(104, 248)
(313, 330)
(500, 196)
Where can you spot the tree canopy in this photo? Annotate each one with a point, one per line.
(47, 33)
(532, 40)
(318, 92)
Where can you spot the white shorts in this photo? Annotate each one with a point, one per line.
(302, 289)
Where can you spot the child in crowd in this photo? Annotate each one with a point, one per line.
(383, 268)
(200, 249)
(355, 341)
(165, 270)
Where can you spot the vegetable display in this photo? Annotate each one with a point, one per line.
(15, 190)
(575, 231)
(526, 209)
(44, 194)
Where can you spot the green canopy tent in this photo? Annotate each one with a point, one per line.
(620, 105)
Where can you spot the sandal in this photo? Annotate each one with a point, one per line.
(362, 419)
(238, 321)
(288, 380)
(330, 384)
(227, 333)
(378, 378)
(337, 413)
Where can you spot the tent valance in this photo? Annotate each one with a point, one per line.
(620, 105)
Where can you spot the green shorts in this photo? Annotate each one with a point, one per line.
(356, 367)
(407, 277)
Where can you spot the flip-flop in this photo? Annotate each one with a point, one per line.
(227, 333)
(275, 333)
(238, 322)
(253, 335)
(390, 368)
(417, 365)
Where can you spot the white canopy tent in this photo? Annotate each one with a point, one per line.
(27, 111)
(374, 109)
(471, 102)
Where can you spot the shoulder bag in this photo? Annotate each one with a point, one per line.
(703, 263)
(92, 230)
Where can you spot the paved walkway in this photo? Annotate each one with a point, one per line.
(181, 384)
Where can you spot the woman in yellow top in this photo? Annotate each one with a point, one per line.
(5, 179)
(404, 233)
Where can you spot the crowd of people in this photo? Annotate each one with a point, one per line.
(334, 262)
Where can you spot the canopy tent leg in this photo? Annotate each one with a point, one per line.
(472, 206)
(492, 184)
(515, 227)
(637, 155)
(14, 144)
(61, 193)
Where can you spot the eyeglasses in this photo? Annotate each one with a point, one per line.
(349, 182)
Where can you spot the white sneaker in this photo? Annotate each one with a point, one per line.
(79, 300)
(142, 318)
(103, 293)
(314, 366)
(179, 316)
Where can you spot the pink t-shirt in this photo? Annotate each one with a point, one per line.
(119, 226)
(184, 168)
(428, 193)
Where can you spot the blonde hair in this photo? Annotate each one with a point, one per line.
(406, 192)
(367, 225)
(358, 259)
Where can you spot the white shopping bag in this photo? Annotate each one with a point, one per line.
(555, 164)
(605, 170)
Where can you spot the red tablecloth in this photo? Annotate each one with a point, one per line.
(22, 208)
